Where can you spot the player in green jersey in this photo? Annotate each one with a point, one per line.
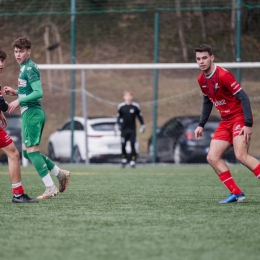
(33, 118)
(7, 145)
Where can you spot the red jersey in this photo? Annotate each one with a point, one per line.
(220, 87)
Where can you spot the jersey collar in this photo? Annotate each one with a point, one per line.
(21, 65)
(212, 73)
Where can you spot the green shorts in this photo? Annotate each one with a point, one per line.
(33, 121)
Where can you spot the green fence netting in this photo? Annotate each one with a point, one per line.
(28, 7)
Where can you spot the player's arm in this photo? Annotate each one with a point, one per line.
(36, 94)
(206, 110)
(141, 120)
(242, 96)
(3, 108)
(246, 131)
(10, 91)
(235, 88)
(3, 121)
(3, 105)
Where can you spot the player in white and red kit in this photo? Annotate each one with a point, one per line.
(7, 145)
(219, 87)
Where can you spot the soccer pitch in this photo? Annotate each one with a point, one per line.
(147, 213)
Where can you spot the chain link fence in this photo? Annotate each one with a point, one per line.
(123, 32)
(27, 7)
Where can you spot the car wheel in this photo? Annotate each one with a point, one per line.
(51, 152)
(77, 155)
(150, 154)
(177, 154)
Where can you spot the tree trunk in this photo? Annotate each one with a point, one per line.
(180, 31)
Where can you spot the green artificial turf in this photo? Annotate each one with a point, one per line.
(147, 213)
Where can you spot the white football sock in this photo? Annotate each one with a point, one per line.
(15, 185)
(47, 180)
(124, 160)
(55, 171)
(132, 163)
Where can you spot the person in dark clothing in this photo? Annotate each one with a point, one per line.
(126, 122)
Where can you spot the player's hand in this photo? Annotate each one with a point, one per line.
(10, 91)
(3, 121)
(198, 132)
(13, 105)
(142, 129)
(247, 132)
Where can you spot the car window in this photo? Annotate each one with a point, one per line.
(13, 123)
(169, 127)
(66, 127)
(78, 126)
(108, 126)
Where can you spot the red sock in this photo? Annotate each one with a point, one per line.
(18, 190)
(256, 171)
(229, 182)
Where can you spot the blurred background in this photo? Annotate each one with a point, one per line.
(123, 31)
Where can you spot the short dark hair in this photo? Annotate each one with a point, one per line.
(3, 54)
(204, 48)
(22, 43)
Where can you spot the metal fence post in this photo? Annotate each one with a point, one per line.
(238, 49)
(155, 97)
(72, 76)
(85, 112)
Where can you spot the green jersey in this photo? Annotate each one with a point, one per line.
(29, 73)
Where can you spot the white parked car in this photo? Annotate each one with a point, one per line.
(103, 141)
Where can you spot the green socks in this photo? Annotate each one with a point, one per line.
(39, 163)
(49, 163)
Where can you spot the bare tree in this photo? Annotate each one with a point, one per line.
(180, 31)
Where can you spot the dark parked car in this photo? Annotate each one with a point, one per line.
(14, 130)
(176, 141)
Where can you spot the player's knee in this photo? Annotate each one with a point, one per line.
(241, 157)
(212, 159)
(14, 155)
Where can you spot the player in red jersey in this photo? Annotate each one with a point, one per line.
(7, 145)
(219, 87)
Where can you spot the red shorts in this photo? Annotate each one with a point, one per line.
(228, 129)
(5, 139)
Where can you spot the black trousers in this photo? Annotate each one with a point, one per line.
(131, 137)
